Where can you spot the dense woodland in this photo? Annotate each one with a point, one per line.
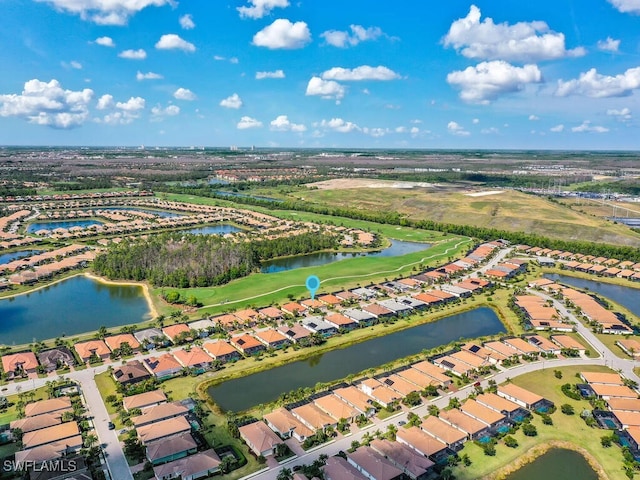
(179, 260)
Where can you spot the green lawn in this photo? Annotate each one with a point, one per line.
(106, 387)
(571, 429)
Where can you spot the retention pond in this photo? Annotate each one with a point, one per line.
(556, 464)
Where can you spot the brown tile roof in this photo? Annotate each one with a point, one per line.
(143, 400)
(270, 336)
(220, 348)
(172, 331)
(420, 441)
(86, 349)
(50, 434)
(336, 407)
(23, 360)
(47, 406)
(602, 377)
(163, 428)
(194, 357)
(442, 430)
(116, 341)
(159, 412)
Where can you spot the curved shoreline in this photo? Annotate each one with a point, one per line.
(145, 290)
(537, 451)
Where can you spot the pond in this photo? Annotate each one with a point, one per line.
(398, 247)
(557, 464)
(66, 224)
(213, 230)
(10, 257)
(75, 305)
(263, 387)
(157, 213)
(236, 194)
(626, 296)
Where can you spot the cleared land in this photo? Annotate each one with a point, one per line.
(512, 210)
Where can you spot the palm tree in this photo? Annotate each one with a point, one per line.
(90, 440)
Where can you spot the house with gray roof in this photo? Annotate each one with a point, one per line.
(56, 358)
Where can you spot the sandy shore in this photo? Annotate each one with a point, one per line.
(540, 450)
(145, 290)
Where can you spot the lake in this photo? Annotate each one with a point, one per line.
(556, 464)
(10, 257)
(157, 213)
(398, 247)
(626, 296)
(213, 230)
(236, 194)
(76, 305)
(263, 387)
(66, 224)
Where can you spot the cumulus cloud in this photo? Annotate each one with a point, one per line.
(274, 74)
(148, 76)
(339, 125)
(488, 80)
(456, 129)
(587, 127)
(233, 101)
(171, 41)
(184, 94)
(623, 114)
(609, 45)
(132, 105)
(248, 122)
(105, 12)
(139, 54)
(282, 34)
(557, 128)
(260, 8)
(47, 103)
(327, 89)
(626, 6)
(282, 124)
(186, 22)
(523, 41)
(105, 41)
(342, 39)
(363, 72)
(104, 102)
(375, 132)
(122, 113)
(592, 84)
(158, 113)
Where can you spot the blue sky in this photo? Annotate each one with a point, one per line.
(357, 73)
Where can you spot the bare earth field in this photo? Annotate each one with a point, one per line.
(510, 210)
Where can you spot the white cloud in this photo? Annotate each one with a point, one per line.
(490, 131)
(327, 89)
(375, 132)
(105, 12)
(158, 113)
(105, 41)
(358, 34)
(475, 121)
(623, 114)
(456, 129)
(260, 8)
(282, 124)
(48, 104)
(274, 74)
(282, 34)
(609, 45)
(233, 101)
(248, 122)
(557, 128)
(363, 72)
(171, 41)
(104, 102)
(184, 94)
(339, 125)
(523, 41)
(186, 22)
(533, 118)
(139, 54)
(72, 64)
(414, 131)
(400, 129)
(592, 84)
(148, 76)
(132, 105)
(626, 6)
(587, 127)
(488, 80)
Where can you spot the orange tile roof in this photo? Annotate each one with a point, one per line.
(86, 349)
(23, 360)
(194, 357)
(115, 341)
(270, 336)
(219, 348)
(172, 331)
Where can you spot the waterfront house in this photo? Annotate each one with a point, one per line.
(130, 373)
(150, 338)
(444, 432)
(178, 333)
(286, 425)
(483, 414)
(247, 344)
(163, 366)
(397, 307)
(221, 350)
(378, 310)
(317, 324)
(501, 405)
(380, 392)
(313, 417)
(204, 327)
(195, 358)
(200, 465)
(260, 438)
(357, 399)
(17, 364)
(58, 357)
(271, 338)
(296, 333)
(463, 422)
(115, 342)
(341, 321)
(433, 371)
(144, 400)
(364, 319)
(337, 408)
(93, 349)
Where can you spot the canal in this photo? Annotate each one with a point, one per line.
(397, 248)
(263, 387)
(556, 464)
(10, 257)
(626, 296)
(66, 224)
(75, 305)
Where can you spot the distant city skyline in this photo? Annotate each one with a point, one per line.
(356, 74)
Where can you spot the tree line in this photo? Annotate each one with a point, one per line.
(187, 260)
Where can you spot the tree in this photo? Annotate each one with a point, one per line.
(606, 441)
(285, 474)
(90, 440)
(454, 402)
(412, 399)
(433, 410)
(567, 409)
(510, 441)
(529, 430)
(227, 463)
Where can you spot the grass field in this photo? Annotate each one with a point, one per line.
(571, 429)
(511, 210)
